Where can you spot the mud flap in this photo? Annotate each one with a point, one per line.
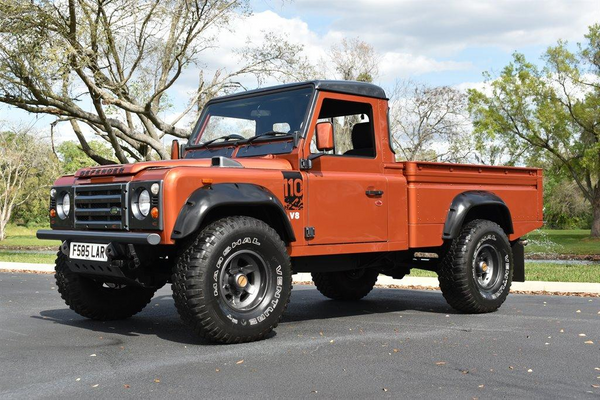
(518, 251)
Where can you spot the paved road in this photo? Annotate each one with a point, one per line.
(395, 343)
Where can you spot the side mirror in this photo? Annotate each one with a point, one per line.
(324, 136)
(175, 150)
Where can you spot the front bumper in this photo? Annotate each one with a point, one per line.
(100, 237)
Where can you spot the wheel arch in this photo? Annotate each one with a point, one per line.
(211, 203)
(471, 205)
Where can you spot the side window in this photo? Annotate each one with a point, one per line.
(353, 133)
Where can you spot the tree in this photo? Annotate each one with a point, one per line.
(352, 60)
(355, 60)
(429, 123)
(72, 157)
(554, 110)
(108, 65)
(25, 163)
(565, 207)
(68, 159)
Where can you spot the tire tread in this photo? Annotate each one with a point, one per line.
(189, 278)
(328, 283)
(72, 288)
(453, 276)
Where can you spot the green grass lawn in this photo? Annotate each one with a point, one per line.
(541, 271)
(540, 241)
(574, 241)
(24, 237)
(35, 258)
(534, 271)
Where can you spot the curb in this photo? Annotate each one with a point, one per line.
(26, 267)
(406, 282)
(531, 286)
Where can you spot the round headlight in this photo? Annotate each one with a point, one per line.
(64, 206)
(141, 204)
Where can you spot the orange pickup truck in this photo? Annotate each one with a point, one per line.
(293, 178)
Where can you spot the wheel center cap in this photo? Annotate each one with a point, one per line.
(484, 267)
(241, 280)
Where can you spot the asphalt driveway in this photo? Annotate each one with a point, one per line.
(395, 343)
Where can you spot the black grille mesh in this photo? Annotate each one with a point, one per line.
(100, 206)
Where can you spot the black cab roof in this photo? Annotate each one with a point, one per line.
(347, 87)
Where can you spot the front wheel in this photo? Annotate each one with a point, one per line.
(476, 273)
(97, 300)
(233, 283)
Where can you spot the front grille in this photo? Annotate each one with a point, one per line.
(101, 206)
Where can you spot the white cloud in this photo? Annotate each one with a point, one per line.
(446, 27)
(482, 86)
(403, 65)
(393, 64)
(413, 37)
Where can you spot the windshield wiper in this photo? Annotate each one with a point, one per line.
(269, 133)
(225, 138)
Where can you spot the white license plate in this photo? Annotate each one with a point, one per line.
(88, 251)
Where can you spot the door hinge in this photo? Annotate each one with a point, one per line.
(305, 164)
(309, 232)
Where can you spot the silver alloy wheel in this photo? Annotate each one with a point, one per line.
(243, 280)
(487, 264)
(113, 286)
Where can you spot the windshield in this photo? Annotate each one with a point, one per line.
(271, 115)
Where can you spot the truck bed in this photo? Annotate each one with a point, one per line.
(433, 186)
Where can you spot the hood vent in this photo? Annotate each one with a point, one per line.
(225, 162)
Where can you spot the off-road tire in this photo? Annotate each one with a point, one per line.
(345, 285)
(205, 303)
(460, 274)
(92, 299)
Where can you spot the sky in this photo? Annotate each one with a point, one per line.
(436, 42)
(433, 42)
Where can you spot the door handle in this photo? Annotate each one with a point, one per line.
(374, 192)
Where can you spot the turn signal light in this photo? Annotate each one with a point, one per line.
(154, 213)
(53, 213)
(207, 181)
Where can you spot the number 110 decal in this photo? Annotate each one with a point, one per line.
(293, 193)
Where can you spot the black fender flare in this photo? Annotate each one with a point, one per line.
(202, 201)
(465, 202)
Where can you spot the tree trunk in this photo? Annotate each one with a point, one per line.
(2, 230)
(596, 213)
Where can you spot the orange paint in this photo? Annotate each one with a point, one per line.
(355, 204)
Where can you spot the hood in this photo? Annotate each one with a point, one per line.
(132, 169)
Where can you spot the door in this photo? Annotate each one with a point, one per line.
(346, 186)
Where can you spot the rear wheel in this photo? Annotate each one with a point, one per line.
(345, 285)
(476, 273)
(98, 300)
(233, 283)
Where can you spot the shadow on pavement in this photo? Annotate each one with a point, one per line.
(162, 321)
(310, 304)
(160, 317)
